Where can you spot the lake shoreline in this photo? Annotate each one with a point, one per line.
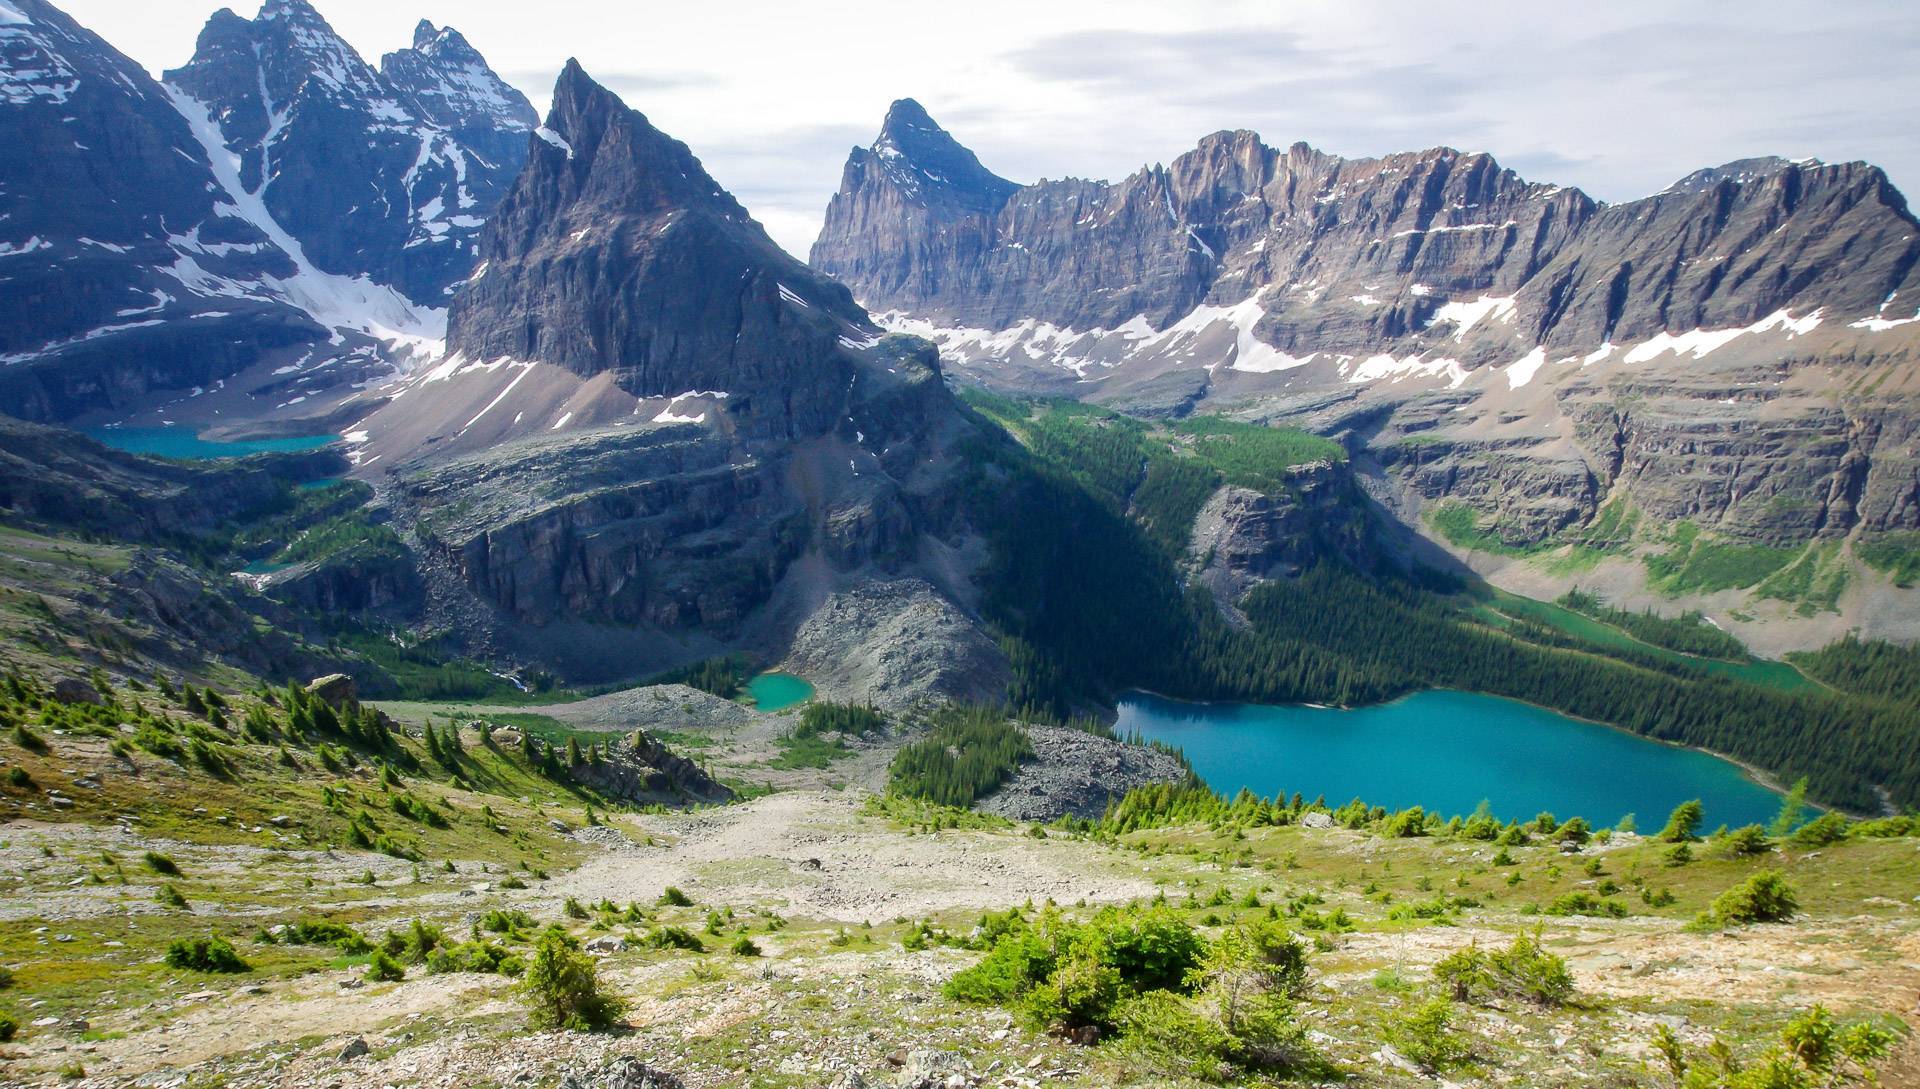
(1757, 775)
(1508, 746)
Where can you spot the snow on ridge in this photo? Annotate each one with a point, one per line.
(12, 16)
(31, 245)
(554, 138)
(1381, 366)
(339, 302)
(1703, 342)
(1466, 315)
(1522, 370)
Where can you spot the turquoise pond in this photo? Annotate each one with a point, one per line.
(1448, 751)
(778, 691)
(180, 441)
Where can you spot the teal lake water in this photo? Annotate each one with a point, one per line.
(1447, 751)
(180, 441)
(778, 691)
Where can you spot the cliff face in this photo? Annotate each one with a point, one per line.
(651, 416)
(615, 253)
(1352, 256)
(1740, 351)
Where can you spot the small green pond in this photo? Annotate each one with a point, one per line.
(777, 691)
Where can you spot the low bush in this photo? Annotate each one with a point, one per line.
(1766, 897)
(562, 987)
(1523, 970)
(1425, 1036)
(211, 954)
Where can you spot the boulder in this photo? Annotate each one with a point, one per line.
(625, 1072)
(355, 1048)
(74, 690)
(336, 690)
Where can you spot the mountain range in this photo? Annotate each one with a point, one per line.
(1534, 367)
(279, 215)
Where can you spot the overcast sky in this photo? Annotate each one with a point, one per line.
(1619, 98)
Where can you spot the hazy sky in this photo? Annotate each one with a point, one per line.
(1619, 98)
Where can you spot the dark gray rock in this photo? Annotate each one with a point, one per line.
(387, 173)
(1074, 773)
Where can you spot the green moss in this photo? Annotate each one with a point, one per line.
(1897, 555)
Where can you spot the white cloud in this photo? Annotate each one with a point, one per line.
(1619, 99)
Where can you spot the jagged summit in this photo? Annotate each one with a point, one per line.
(928, 164)
(434, 132)
(617, 253)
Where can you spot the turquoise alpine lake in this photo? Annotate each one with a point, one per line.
(1448, 751)
(181, 441)
(778, 691)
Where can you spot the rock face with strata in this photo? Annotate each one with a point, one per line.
(650, 414)
(1243, 537)
(1740, 351)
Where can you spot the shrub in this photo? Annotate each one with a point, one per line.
(1748, 840)
(170, 896)
(572, 909)
(1523, 970)
(24, 737)
(478, 956)
(384, 969)
(673, 897)
(1586, 903)
(1813, 1051)
(8, 1029)
(1823, 831)
(673, 937)
(211, 954)
(1425, 1036)
(1766, 897)
(743, 947)
(18, 778)
(562, 988)
(1683, 822)
(325, 932)
(160, 863)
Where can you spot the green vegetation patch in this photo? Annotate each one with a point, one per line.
(971, 751)
(1897, 555)
(1697, 564)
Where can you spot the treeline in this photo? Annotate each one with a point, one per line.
(723, 677)
(1688, 633)
(1872, 668)
(841, 718)
(1090, 606)
(969, 753)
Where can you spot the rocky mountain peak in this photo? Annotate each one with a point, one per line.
(929, 166)
(1739, 172)
(445, 80)
(434, 134)
(617, 253)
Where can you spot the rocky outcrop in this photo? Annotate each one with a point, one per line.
(897, 644)
(650, 412)
(1077, 774)
(1243, 537)
(639, 770)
